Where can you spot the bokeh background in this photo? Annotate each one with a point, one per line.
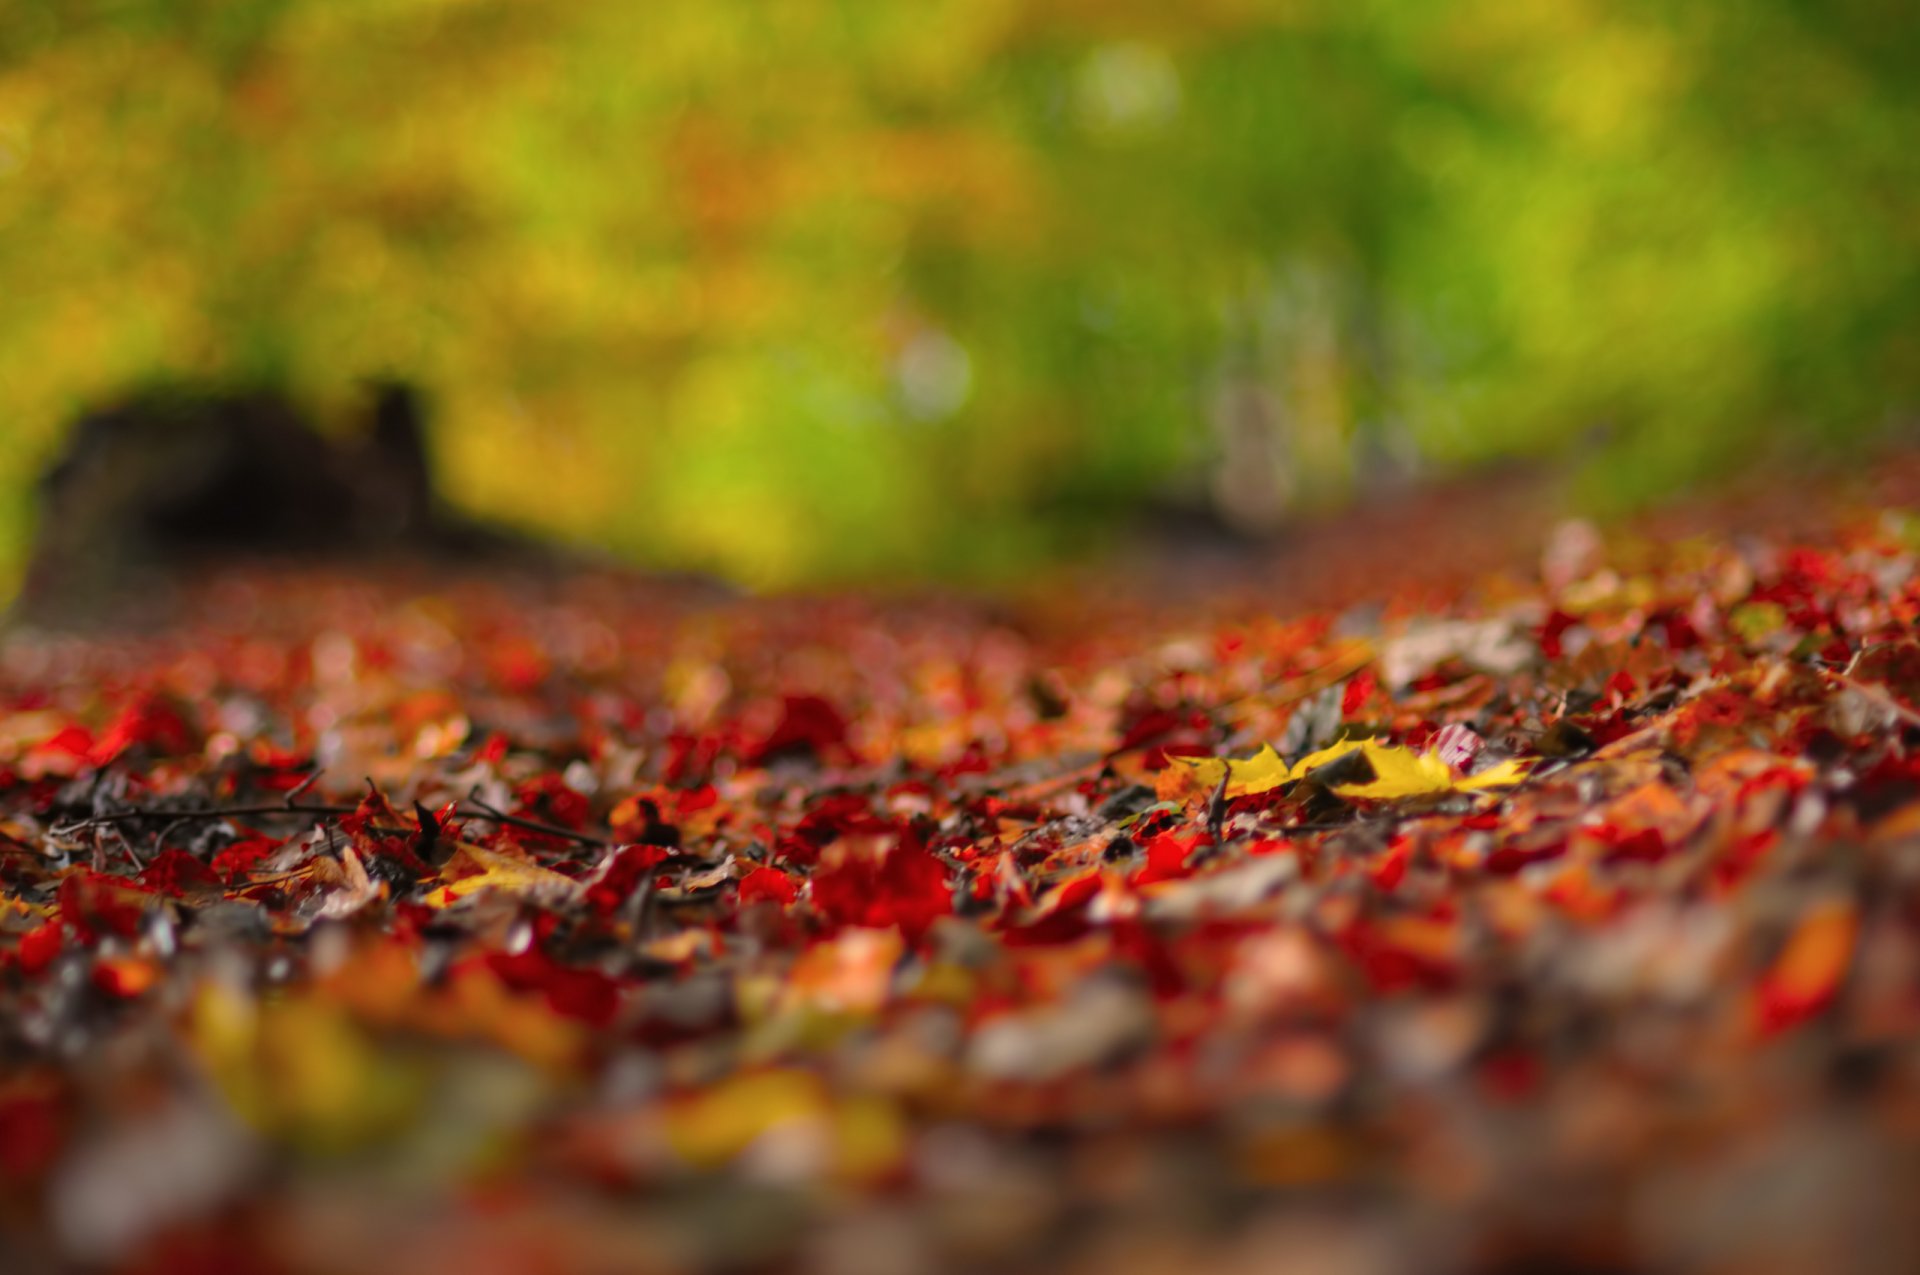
(806, 290)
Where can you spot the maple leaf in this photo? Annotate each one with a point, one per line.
(1402, 772)
(1262, 772)
(1388, 772)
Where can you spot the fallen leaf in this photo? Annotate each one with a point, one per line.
(474, 868)
(1262, 772)
(1396, 772)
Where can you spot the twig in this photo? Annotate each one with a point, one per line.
(529, 825)
(483, 813)
(139, 864)
(1217, 806)
(639, 906)
(312, 778)
(200, 812)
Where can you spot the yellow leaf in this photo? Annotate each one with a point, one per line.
(1259, 773)
(1332, 752)
(790, 1116)
(302, 1070)
(711, 1128)
(474, 868)
(1505, 775)
(1401, 772)
(1397, 772)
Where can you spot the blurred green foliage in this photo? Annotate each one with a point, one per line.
(814, 288)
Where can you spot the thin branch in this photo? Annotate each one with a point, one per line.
(200, 812)
(528, 825)
(479, 811)
(139, 864)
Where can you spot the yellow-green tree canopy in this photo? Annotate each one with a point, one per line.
(802, 288)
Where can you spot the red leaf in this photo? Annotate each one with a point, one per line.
(239, 859)
(39, 946)
(768, 885)
(1167, 857)
(550, 799)
(1553, 631)
(174, 872)
(1390, 868)
(1359, 690)
(151, 722)
(588, 995)
(808, 725)
(905, 886)
(96, 905)
(622, 875)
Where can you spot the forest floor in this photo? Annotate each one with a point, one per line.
(1452, 889)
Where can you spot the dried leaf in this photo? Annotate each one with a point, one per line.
(474, 868)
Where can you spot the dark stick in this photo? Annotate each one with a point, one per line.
(203, 812)
(531, 825)
(312, 777)
(484, 813)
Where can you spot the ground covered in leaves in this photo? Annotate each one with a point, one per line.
(1569, 922)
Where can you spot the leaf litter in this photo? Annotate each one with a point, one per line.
(369, 923)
